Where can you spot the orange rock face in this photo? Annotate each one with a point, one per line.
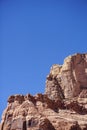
(62, 107)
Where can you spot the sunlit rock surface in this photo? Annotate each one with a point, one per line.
(68, 80)
(62, 107)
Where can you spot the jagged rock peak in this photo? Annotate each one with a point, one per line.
(67, 80)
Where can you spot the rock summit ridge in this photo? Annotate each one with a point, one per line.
(62, 107)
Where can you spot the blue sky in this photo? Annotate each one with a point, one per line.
(34, 35)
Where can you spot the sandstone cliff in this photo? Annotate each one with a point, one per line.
(71, 77)
(62, 107)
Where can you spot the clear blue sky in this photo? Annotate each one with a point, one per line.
(34, 34)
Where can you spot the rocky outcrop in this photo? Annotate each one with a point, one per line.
(71, 77)
(53, 88)
(41, 113)
(62, 107)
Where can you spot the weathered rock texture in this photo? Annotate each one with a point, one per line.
(41, 113)
(68, 80)
(62, 107)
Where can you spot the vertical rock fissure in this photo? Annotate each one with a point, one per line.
(24, 125)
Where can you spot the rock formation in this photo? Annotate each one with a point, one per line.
(62, 107)
(71, 77)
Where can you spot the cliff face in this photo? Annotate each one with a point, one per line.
(62, 107)
(71, 77)
(26, 113)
